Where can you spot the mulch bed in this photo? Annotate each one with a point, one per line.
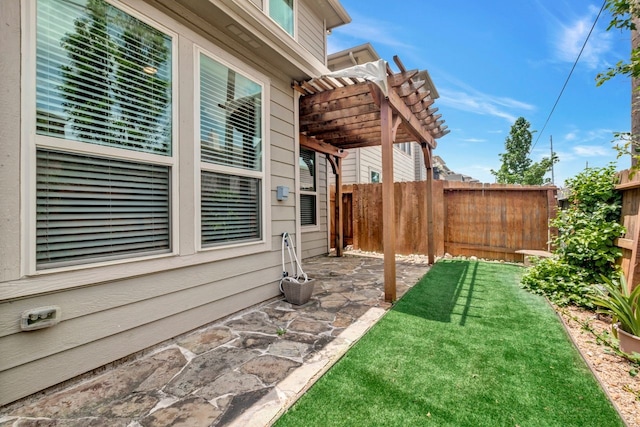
(619, 377)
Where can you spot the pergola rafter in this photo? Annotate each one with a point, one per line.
(344, 112)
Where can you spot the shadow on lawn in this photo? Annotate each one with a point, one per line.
(439, 294)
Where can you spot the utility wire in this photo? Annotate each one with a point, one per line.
(604, 3)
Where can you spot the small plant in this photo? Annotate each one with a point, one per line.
(614, 298)
(281, 331)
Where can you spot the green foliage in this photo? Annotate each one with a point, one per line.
(111, 86)
(87, 82)
(623, 13)
(562, 283)
(614, 298)
(585, 250)
(517, 167)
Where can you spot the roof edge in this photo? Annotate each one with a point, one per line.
(342, 13)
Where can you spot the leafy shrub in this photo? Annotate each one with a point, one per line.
(562, 283)
(584, 248)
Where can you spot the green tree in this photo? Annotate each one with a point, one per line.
(140, 89)
(517, 167)
(625, 16)
(86, 84)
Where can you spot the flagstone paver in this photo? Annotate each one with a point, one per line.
(242, 370)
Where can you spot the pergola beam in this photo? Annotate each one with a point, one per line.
(412, 124)
(322, 147)
(332, 95)
(337, 114)
(340, 123)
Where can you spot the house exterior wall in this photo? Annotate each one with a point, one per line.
(403, 165)
(357, 166)
(112, 310)
(10, 245)
(420, 169)
(311, 32)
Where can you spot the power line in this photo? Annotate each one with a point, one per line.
(604, 3)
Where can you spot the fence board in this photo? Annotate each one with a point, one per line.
(630, 188)
(494, 221)
(347, 211)
(485, 220)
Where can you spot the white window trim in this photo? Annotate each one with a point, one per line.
(30, 142)
(401, 148)
(231, 250)
(316, 226)
(372, 169)
(266, 10)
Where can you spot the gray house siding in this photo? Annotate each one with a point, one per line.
(10, 245)
(112, 311)
(311, 33)
(403, 166)
(357, 166)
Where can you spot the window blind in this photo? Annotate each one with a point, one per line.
(308, 209)
(93, 209)
(102, 77)
(230, 208)
(308, 196)
(230, 117)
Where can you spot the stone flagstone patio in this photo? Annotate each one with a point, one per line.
(244, 370)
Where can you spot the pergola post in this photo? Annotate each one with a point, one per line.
(388, 201)
(431, 241)
(431, 250)
(339, 213)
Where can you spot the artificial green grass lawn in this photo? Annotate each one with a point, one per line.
(466, 346)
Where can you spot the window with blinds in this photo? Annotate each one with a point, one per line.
(230, 208)
(281, 11)
(308, 192)
(231, 155)
(230, 117)
(93, 208)
(103, 77)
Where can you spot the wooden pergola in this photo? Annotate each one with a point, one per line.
(339, 113)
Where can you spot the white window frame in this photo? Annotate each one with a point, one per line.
(316, 194)
(232, 249)
(267, 11)
(371, 171)
(405, 148)
(31, 142)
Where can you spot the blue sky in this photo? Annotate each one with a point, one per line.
(495, 61)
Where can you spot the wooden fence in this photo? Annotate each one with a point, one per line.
(485, 220)
(630, 188)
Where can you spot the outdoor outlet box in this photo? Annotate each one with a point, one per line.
(282, 192)
(41, 317)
